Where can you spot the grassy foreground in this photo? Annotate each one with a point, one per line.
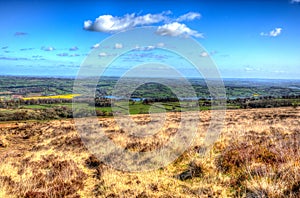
(257, 155)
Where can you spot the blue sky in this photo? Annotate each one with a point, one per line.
(248, 39)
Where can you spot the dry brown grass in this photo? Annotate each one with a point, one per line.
(257, 155)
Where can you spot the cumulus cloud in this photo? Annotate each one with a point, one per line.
(275, 32)
(111, 24)
(248, 69)
(47, 48)
(264, 34)
(272, 33)
(97, 45)
(118, 46)
(204, 54)
(102, 54)
(73, 48)
(87, 25)
(172, 27)
(177, 29)
(21, 34)
(295, 1)
(147, 48)
(188, 16)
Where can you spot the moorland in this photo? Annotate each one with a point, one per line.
(256, 155)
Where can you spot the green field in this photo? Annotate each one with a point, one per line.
(134, 108)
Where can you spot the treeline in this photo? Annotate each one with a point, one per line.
(20, 102)
(36, 114)
(153, 100)
(57, 112)
(266, 102)
(106, 102)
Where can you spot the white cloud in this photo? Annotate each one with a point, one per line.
(87, 24)
(146, 48)
(102, 54)
(118, 46)
(97, 45)
(150, 47)
(111, 24)
(47, 48)
(248, 69)
(295, 1)
(188, 16)
(273, 33)
(204, 54)
(150, 19)
(74, 48)
(177, 29)
(263, 34)
(137, 47)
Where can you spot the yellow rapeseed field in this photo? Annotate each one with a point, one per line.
(65, 96)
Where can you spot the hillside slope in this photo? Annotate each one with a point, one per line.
(257, 155)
